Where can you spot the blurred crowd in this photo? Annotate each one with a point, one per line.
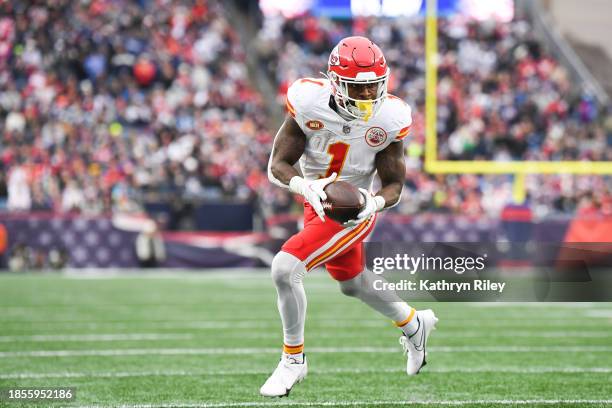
(106, 103)
(500, 97)
(103, 102)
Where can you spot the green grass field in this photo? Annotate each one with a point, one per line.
(211, 339)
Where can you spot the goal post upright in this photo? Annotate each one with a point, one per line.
(517, 168)
(431, 83)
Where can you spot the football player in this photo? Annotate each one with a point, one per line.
(344, 127)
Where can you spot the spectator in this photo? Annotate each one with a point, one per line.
(19, 198)
(500, 97)
(110, 98)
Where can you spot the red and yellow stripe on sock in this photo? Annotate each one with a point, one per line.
(408, 320)
(293, 349)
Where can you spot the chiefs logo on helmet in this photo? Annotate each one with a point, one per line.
(334, 58)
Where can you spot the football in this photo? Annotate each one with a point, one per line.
(344, 201)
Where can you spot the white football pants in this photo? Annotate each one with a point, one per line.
(288, 273)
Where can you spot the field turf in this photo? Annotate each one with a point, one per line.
(211, 339)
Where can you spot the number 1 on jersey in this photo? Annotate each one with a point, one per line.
(338, 152)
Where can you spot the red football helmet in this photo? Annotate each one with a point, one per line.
(357, 61)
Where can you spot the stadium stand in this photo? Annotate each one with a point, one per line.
(100, 117)
(104, 103)
(500, 97)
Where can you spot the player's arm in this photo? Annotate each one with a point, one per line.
(289, 146)
(392, 172)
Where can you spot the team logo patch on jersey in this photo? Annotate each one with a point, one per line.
(314, 124)
(375, 136)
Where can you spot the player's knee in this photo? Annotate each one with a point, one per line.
(284, 266)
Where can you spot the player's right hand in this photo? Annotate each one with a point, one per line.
(373, 204)
(312, 191)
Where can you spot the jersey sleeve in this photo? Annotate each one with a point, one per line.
(293, 99)
(402, 120)
(301, 96)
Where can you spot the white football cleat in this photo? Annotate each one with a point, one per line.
(287, 374)
(414, 346)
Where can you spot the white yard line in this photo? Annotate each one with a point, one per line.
(571, 305)
(201, 324)
(170, 373)
(524, 323)
(439, 334)
(96, 337)
(274, 350)
(605, 313)
(553, 402)
(178, 274)
(351, 321)
(254, 334)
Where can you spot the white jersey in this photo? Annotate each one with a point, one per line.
(336, 145)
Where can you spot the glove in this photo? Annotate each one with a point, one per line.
(373, 204)
(312, 190)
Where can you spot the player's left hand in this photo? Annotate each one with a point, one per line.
(372, 205)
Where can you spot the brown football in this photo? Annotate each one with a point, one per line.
(344, 201)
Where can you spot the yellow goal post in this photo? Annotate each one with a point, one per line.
(517, 168)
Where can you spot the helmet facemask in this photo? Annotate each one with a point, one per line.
(363, 109)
